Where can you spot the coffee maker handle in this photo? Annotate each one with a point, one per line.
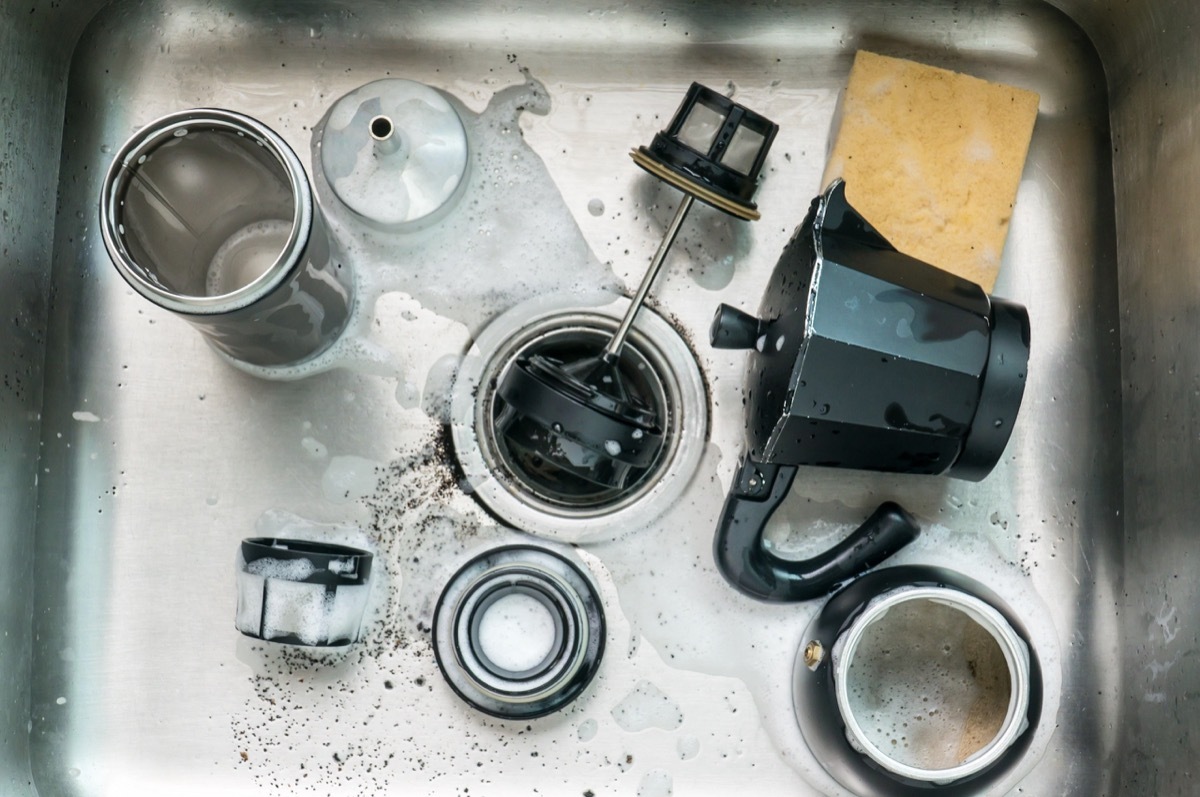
(757, 491)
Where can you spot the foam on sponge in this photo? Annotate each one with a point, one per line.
(932, 158)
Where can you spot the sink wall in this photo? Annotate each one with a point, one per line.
(1150, 56)
(1150, 64)
(36, 40)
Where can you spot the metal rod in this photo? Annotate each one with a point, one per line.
(613, 350)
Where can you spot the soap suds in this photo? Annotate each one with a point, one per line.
(647, 707)
(516, 633)
(349, 478)
(656, 783)
(286, 569)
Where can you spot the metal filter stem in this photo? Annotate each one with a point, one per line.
(613, 351)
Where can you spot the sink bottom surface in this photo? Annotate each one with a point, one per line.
(159, 457)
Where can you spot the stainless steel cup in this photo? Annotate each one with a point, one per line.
(209, 214)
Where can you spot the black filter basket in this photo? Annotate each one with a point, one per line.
(863, 357)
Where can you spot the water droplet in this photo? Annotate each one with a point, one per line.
(596, 207)
(998, 422)
(823, 409)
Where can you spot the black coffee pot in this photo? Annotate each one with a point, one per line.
(862, 357)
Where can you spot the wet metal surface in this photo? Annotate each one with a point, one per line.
(134, 459)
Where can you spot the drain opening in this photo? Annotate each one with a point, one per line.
(519, 632)
(555, 486)
(573, 456)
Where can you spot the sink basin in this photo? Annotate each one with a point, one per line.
(134, 459)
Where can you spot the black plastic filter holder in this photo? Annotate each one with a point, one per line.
(326, 567)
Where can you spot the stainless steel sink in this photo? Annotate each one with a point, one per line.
(134, 459)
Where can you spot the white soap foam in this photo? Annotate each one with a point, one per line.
(85, 417)
(285, 569)
(646, 706)
(587, 730)
(656, 783)
(308, 611)
(349, 478)
(296, 608)
(516, 632)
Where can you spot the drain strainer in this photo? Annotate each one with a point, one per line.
(552, 485)
(519, 632)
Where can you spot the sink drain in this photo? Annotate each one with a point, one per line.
(552, 485)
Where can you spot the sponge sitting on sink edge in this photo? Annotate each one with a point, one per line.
(933, 158)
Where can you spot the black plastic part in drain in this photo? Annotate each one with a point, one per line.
(582, 408)
(755, 570)
(814, 694)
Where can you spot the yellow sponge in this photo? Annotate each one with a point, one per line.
(932, 158)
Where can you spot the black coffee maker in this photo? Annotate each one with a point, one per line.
(862, 357)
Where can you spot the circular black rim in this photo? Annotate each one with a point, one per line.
(815, 700)
(580, 634)
(553, 608)
(337, 565)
